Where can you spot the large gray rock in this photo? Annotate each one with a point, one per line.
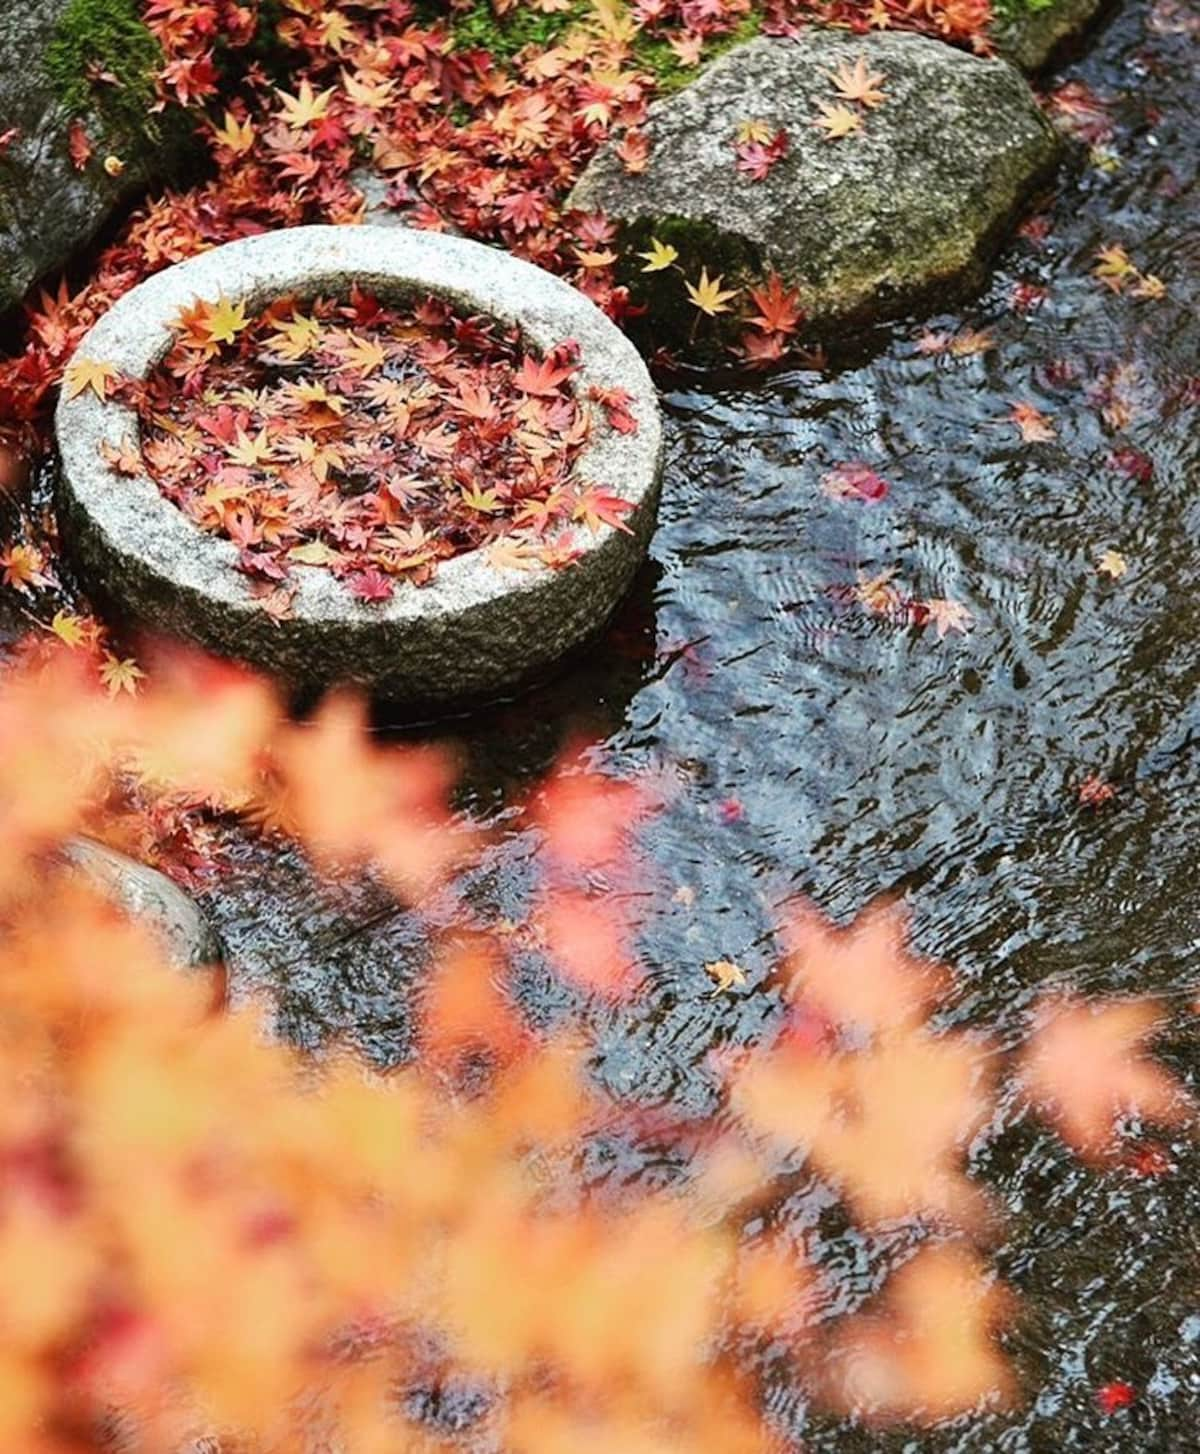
(149, 897)
(48, 206)
(865, 226)
(1031, 33)
(478, 629)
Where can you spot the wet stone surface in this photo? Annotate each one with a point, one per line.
(909, 204)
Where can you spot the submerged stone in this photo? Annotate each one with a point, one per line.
(150, 898)
(479, 628)
(907, 206)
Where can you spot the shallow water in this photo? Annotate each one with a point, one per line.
(810, 745)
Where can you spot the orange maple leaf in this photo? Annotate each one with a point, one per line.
(1085, 1067)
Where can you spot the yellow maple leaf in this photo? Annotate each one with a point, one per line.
(487, 502)
(305, 106)
(726, 975)
(510, 554)
(1112, 563)
(69, 628)
(971, 341)
(755, 130)
(89, 373)
(658, 256)
(363, 91)
(708, 295)
(120, 674)
(856, 83)
(314, 552)
(250, 450)
(226, 320)
(124, 458)
(237, 135)
(364, 354)
(1113, 267)
(837, 120)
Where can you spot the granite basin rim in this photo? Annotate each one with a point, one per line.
(126, 523)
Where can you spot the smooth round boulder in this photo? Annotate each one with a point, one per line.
(899, 212)
(149, 897)
(478, 629)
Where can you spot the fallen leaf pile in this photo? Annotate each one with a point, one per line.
(369, 440)
(472, 131)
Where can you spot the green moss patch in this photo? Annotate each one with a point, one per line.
(657, 57)
(479, 28)
(102, 62)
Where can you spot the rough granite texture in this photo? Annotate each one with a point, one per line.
(149, 897)
(475, 631)
(47, 208)
(866, 227)
(1030, 37)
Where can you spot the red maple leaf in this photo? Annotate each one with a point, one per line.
(371, 585)
(778, 306)
(542, 376)
(1113, 1396)
(79, 145)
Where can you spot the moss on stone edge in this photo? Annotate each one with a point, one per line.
(108, 36)
(657, 57)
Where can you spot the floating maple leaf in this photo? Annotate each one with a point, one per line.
(948, 616)
(1113, 267)
(778, 306)
(708, 296)
(1112, 563)
(725, 974)
(930, 1349)
(120, 674)
(854, 481)
(1094, 792)
(971, 341)
(1110, 1397)
(878, 594)
(1035, 427)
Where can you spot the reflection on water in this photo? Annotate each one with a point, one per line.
(812, 745)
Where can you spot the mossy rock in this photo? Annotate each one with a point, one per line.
(61, 62)
(902, 213)
(1030, 32)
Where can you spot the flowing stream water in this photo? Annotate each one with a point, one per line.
(812, 746)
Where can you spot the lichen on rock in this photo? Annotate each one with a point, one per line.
(905, 209)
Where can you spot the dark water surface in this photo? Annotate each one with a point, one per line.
(810, 745)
